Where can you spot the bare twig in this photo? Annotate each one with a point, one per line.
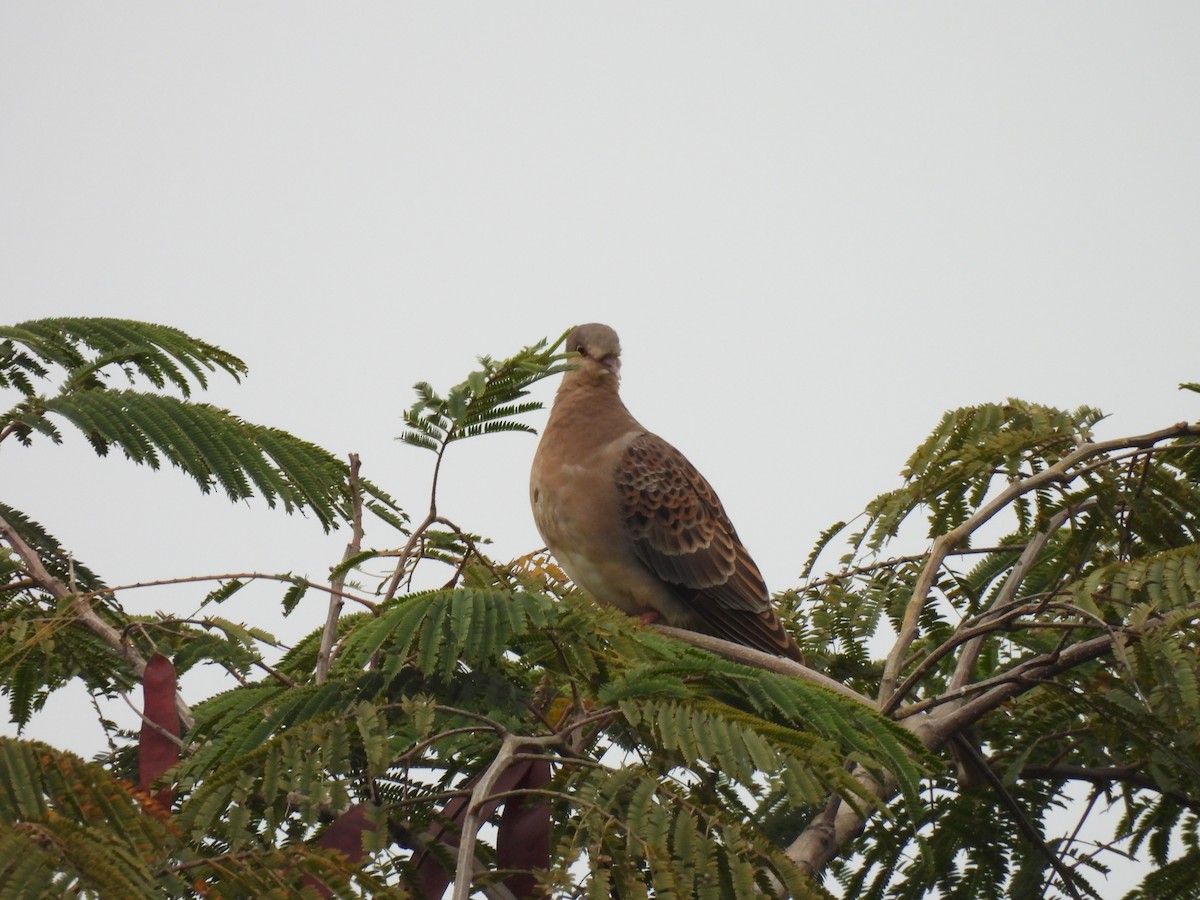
(406, 553)
(418, 535)
(238, 576)
(432, 516)
(353, 548)
(1133, 775)
(174, 739)
(274, 673)
(969, 750)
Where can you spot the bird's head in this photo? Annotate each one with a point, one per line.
(599, 351)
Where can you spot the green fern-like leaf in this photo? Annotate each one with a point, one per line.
(214, 447)
(71, 820)
(444, 627)
(87, 347)
(488, 402)
(660, 836)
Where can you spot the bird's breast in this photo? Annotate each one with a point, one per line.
(576, 507)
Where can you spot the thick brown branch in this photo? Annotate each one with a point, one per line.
(997, 691)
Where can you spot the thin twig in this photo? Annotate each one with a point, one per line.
(160, 625)
(238, 576)
(992, 620)
(1134, 775)
(1023, 824)
(472, 550)
(891, 563)
(277, 675)
(1083, 817)
(324, 653)
(430, 518)
(173, 738)
(398, 575)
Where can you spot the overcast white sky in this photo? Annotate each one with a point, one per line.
(815, 226)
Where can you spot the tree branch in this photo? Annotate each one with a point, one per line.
(84, 613)
(994, 692)
(825, 835)
(946, 543)
(1133, 775)
(760, 660)
(893, 562)
(1012, 584)
(239, 576)
(482, 793)
(406, 553)
(329, 635)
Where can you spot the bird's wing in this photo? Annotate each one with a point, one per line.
(679, 530)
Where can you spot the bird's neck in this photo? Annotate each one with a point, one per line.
(585, 400)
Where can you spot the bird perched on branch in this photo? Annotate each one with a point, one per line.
(632, 521)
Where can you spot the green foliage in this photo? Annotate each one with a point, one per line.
(435, 631)
(89, 350)
(67, 827)
(1095, 546)
(487, 402)
(668, 771)
(971, 450)
(212, 446)
(642, 834)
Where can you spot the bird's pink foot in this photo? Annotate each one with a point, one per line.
(649, 618)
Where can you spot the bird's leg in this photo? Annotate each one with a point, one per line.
(649, 618)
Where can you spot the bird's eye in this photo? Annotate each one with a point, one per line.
(583, 351)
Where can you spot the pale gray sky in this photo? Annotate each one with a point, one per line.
(816, 227)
